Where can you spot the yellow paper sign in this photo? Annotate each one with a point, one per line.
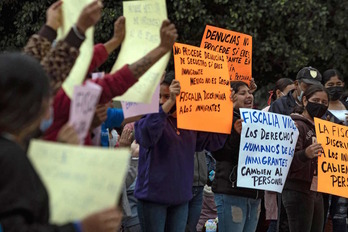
(333, 163)
(204, 102)
(236, 46)
(143, 23)
(79, 180)
(71, 11)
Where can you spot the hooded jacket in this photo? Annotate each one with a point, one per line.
(302, 169)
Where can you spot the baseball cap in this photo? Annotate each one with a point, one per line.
(309, 75)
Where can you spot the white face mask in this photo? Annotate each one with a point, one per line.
(113, 138)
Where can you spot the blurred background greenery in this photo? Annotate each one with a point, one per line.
(287, 34)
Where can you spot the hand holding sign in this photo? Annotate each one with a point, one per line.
(90, 16)
(314, 150)
(174, 89)
(54, 15)
(106, 220)
(168, 35)
(238, 126)
(67, 134)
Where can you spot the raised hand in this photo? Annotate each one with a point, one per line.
(54, 15)
(89, 16)
(168, 35)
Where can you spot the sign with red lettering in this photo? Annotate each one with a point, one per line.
(236, 46)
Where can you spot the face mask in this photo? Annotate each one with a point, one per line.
(335, 92)
(315, 109)
(299, 98)
(113, 139)
(46, 123)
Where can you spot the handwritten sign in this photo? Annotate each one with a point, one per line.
(204, 102)
(267, 147)
(71, 12)
(82, 107)
(340, 115)
(236, 46)
(79, 180)
(333, 163)
(131, 109)
(143, 23)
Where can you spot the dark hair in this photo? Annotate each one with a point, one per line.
(23, 87)
(235, 85)
(310, 91)
(331, 73)
(168, 78)
(281, 84)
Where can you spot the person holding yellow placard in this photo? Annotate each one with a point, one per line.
(58, 60)
(23, 197)
(303, 204)
(117, 83)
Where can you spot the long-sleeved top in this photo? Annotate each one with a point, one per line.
(112, 84)
(23, 198)
(57, 61)
(302, 169)
(165, 169)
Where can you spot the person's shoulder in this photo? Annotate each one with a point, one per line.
(12, 156)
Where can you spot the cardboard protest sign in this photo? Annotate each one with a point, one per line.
(340, 114)
(79, 180)
(333, 162)
(131, 109)
(204, 102)
(267, 146)
(236, 46)
(71, 12)
(82, 107)
(143, 23)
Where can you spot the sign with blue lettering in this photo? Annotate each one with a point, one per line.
(267, 147)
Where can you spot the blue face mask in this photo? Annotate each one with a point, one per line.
(46, 123)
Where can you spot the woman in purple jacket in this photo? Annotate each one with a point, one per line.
(166, 162)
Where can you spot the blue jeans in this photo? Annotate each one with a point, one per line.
(237, 214)
(195, 207)
(158, 217)
(305, 210)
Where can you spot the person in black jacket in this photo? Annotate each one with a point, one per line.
(238, 208)
(334, 84)
(24, 202)
(306, 77)
(304, 206)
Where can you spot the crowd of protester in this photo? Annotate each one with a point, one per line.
(178, 180)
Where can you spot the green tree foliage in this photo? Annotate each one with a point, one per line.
(287, 35)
